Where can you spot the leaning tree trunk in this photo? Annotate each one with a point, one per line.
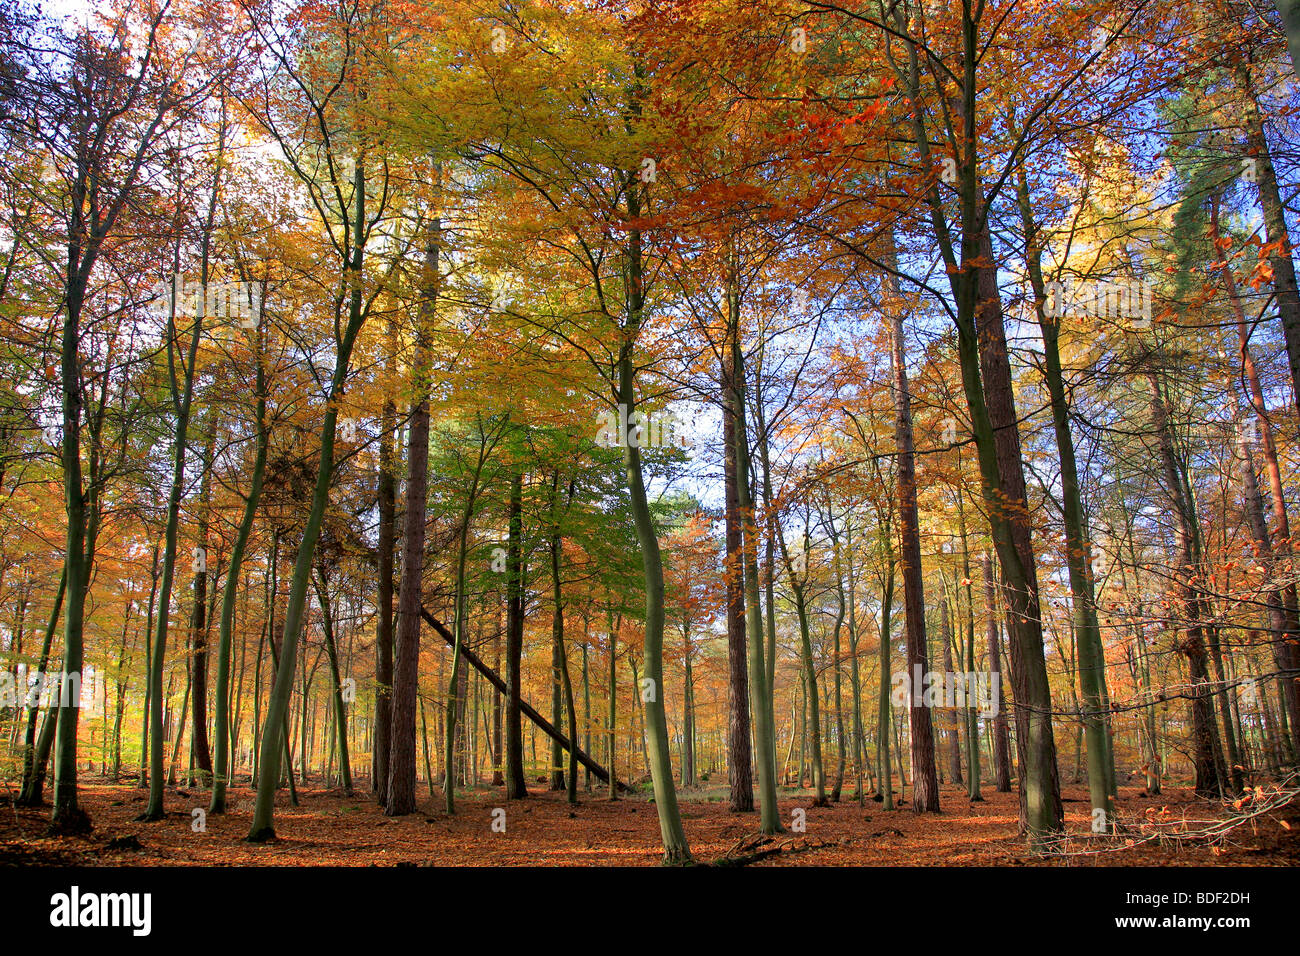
(33, 777)
(276, 728)
(1091, 658)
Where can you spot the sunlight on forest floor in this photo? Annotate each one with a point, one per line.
(330, 829)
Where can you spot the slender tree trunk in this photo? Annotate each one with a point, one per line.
(739, 762)
(516, 785)
(886, 783)
(764, 732)
(225, 740)
(925, 782)
(1001, 733)
(1091, 659)
(198, 618)
(340, 707)
(406, 662)
(387, 494)
(1207, 758)
(35, 757)
(277, 726)
(182, 396)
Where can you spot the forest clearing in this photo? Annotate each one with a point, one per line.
(728, 433)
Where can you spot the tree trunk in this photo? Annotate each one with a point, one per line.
(516, 785)
(225, 740)
(739, 762)
(676, 849)
(925, 782)
(1090, 658)
(340, 707)
(387, 494)
(1207, 759)
(406, 662)
(1001, 732)
(198, 617)
(276, 728)
(764, 732)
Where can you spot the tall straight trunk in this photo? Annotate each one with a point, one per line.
(406, 658)
(424, 737)
(688, 713)
(613, 702)
(498, 750)
(925, 781)
(638, 718)
(557, 648)
(557, 633)
(998, 442)
(838, 787)
(120, 682)
(769, 534)
(586, 703)
(972, 720)
(739, 760)
(855, 677)
(764, 731)
(886, 783)
(199, 618)
(225, 740)
(1253, 506)
(182, 394)
(809, 676)
(1001, 732)
(143, 777)
(387, 494)
(461, 614)
(180, 727)
(276, 727)
(967, 253)
(516, 785)
(952, 733)
(68, 817)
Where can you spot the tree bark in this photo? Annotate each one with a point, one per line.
(406, 658)
(739, 762)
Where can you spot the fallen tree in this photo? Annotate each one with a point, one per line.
(473, 659)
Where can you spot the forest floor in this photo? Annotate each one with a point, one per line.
(329, 828)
